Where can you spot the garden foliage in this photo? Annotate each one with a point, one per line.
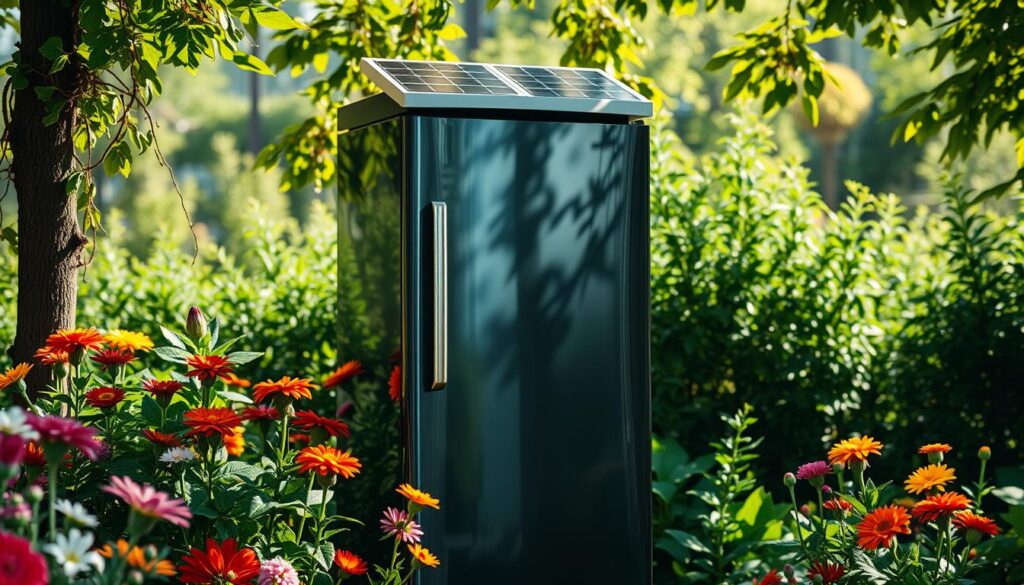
(829, 323)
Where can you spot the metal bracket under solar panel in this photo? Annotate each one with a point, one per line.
(441, 84)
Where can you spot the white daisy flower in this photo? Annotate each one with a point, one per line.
(12, 422)
(73, 552)
(177, 455)
(76, 513)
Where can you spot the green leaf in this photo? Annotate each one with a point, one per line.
(10, 235)
(239, 358)
(172, 354)
(810, 106)
(241, 469)
(230, 396)
(172, 338)
(251, 63)
(52, 48)
(151, 411)
(277, 20)
(688, 541)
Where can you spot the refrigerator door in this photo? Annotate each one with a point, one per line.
(538, 443)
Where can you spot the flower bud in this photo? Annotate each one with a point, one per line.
(805, 511)
(789, 479)
(826, 491)
(34, 494)
(985, 453)
(935, 457)
(788, 571)
(195, 325)
(837, 468)
(818, 580)
(136, 578)
(345, 409)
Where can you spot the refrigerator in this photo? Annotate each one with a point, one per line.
(494, 247)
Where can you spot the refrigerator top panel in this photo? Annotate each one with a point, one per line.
(486, 86)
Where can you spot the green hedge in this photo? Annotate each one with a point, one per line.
(861, 321)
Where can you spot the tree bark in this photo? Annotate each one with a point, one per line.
(50, 241)
(830, 173)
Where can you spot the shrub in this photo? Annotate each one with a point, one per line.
(189, 473)
(860, 319)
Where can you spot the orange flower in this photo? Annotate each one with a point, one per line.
(293, 388)
(34, 456)
(136, 559)
(49, 356)
(104, 397)
(208, 367)
(395, 384)
(350, 563)
(15, 375)
(232, 380)
(235, 442)
(423, 556)
(934, 507)
(73, 340)
(347, 371)
(934, 448)
(838, 505)
(881, 526)
(418, 497)
(128, 340)
(163, 439)
(930, 477)
(854, 449)
(212, 421)
(327, 460)
(968, 520)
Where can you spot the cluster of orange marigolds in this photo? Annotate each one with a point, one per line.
(211, 425)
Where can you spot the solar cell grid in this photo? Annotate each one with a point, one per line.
(420, 76)
(544, 82)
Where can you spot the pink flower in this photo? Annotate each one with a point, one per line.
(12, 449)
(19, 564)
(149, 502)
(398, 524)
(277, 571)
(60, 430)
(813, 470)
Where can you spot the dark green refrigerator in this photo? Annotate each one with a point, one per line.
(493, 235)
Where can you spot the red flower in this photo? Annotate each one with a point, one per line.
(208, 367)
(934, 507)
(293, 388)
(12, 449)
(70, 341)
(212, 421)
(49, 356)
(350, 563)
(165, 388)
(162, 439)
(260, 412)
(344, 373)
(19, 564)
(968, 521)
(838, 505)
(104, 397)
(772, 578)
(829, 572)
(309, 420)
(34, 456)
(395, 384)
(113, 357)
(219, 564)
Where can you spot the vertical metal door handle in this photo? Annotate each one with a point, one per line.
(440, 242)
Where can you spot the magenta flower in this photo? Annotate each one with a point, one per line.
(146, 500)
(65, 431)
(398, 524)
(12, 449)
(813, 470)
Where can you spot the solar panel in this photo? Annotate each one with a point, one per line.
(429, 77)
(568, 83)
(434, 84)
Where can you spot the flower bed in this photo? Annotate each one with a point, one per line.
(116, 474)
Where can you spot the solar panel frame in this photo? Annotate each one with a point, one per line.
(513, 87)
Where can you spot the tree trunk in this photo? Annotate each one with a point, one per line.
(830, 173)
(255, 118)
(50, 241)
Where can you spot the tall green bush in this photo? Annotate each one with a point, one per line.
(829, 323)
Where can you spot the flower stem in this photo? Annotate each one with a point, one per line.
(302, 522)
(284, 436)
(821, 516)
(796, 516)
(52, 493)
